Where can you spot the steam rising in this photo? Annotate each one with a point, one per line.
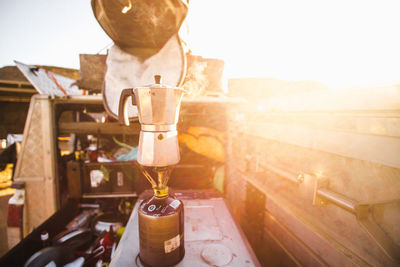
(196, 80)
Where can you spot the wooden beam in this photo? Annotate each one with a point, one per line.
(18, 90)
(97, 128)
(14, 82)
(379, 149)
(15, 99)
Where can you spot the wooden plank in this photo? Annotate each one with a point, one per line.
(312, 225)
(373, 123)
(14, 82)
(97, 128)
(378, 149)
(17, 90)
(354, 99)
(14, 99)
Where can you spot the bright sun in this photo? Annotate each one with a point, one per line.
(340, 43)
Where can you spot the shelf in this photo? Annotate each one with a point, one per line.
(109, 195)
(97, 128)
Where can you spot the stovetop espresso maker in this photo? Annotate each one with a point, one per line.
(161, 218)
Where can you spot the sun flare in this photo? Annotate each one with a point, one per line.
(338, 43)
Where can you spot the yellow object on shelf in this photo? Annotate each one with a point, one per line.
(205, 141)
(6, 174)
(5, 181)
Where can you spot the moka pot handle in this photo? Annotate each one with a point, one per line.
(123, 116)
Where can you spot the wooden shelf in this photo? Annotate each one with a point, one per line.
(97, 128)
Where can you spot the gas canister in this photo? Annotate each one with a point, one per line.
(161, 228)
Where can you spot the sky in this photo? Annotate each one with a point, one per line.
(48, 32)
(341, 43)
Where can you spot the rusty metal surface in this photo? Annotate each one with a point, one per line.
(207, 223)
